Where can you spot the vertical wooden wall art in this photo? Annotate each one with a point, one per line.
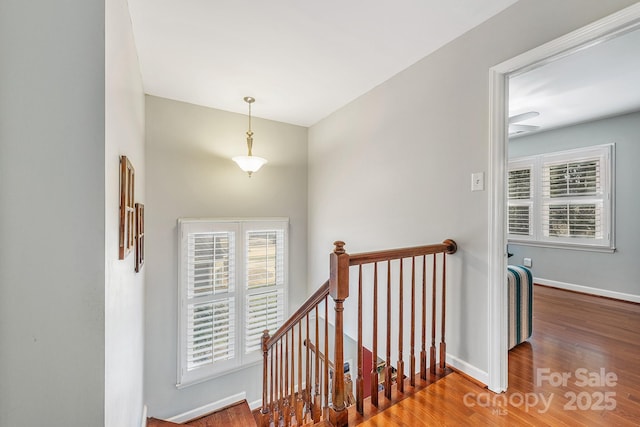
(139, 236)
(127, 210)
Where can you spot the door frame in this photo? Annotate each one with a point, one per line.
(623, 21)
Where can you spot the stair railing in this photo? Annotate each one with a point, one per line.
(292, 379)
(394, 263)
(295, 383)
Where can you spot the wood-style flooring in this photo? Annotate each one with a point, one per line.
(235, 415)
(580, 368)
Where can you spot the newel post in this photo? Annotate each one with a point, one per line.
(339, 291)
(264, 412)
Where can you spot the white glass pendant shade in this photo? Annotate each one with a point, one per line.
(249, 164)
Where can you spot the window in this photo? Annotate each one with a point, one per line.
(233, 286)
(520, 199)
(562, 199)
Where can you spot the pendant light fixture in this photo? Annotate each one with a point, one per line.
(249, 163)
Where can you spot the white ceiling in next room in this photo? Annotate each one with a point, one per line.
(599, 81)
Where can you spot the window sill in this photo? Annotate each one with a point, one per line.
(568, 246)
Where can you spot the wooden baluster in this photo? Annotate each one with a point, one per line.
(359, 381)
(339, 291)
(387, 367)
(374, 349)
(412, 357)
(292, 390)
(285, 399)
(279, 378)
(443, 345)
(317, 405)
(300, 399)
(307, 391)
(264, 418)
(432, 355)
(423, 353)
(400, 373)
(273, 379)
(326, 357)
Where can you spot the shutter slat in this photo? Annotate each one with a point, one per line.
(265, 254)
(568, 179)
(209, 263)
(210, 332)
(264, 311)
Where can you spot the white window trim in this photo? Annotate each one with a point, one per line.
(537, 238)
(241, 361)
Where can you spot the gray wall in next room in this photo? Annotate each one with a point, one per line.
(613, 272)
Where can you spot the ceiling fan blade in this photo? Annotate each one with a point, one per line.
(524, 116)
(523, 128)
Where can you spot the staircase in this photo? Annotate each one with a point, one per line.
(299, 386)
(305, 382)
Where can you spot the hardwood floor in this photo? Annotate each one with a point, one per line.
(581, 367)
(235, 415)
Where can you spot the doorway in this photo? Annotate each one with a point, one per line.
(605, 29)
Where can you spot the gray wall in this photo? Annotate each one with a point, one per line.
(611, 272)
(124, 288)
(190, 174)
(52, 213)
(393, 167)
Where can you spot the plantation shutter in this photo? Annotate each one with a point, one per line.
(210, 299)
(233, 286)
(264, 311)
(563, 199)
(265, 277)
(211, 331)
(573, 199)
(520, 200)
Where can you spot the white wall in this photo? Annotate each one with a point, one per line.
(124, 288)
(52, 220)
(614, 272)
(393, 167)
(190, 174)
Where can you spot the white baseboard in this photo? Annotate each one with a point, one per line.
(255, 404)
(143, 422)
(587, 290)
(208, 408)
(474, 372)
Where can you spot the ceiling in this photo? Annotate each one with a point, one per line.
(596, 82)
(301, 60)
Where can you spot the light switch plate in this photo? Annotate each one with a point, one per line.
(477, 181)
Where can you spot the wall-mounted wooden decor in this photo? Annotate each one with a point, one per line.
(127, 210)
(139, 236)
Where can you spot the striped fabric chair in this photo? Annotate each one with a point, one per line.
(520, 283)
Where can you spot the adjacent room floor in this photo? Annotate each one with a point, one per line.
(580, 367)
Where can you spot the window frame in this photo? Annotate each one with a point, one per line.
(239, 227)
(539, 235)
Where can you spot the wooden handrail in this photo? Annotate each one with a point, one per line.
(281, 402)
(448, 246)
(318, 296)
